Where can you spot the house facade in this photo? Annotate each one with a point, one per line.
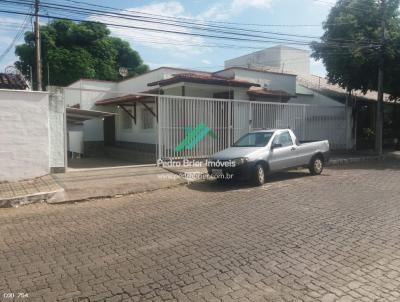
(135, 120)
(132, 123)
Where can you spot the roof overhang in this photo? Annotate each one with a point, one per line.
(208, 80)
(125, 99)
(266, 93)
(76, 115)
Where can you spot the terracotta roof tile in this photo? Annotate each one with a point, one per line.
(266, 92)
(12, 81)
(322, 85)
(129, 98)
(202, 79)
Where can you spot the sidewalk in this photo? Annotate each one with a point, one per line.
(88, 184)
(101, 183)
(14, 194)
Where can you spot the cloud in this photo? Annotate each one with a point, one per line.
(5, 40)
(222, 11)
(317, 68)
(176, 44)
(260, 4)
(154, 65)
(206, 62)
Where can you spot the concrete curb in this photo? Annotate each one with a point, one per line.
(58, 200)
(345, 161)
(18, 201)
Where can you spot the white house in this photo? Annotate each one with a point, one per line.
(133, 113)
(133, 126)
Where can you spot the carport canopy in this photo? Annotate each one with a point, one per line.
(129, 100)
(76, 115)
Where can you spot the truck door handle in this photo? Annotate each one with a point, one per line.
(293, 149)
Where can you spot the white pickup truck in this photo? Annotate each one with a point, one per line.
(266, 151)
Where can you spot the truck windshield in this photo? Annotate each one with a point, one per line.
(257, 139)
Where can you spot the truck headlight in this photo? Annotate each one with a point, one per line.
(240, 161)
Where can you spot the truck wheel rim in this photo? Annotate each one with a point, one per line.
(260, 175)
(318, 165)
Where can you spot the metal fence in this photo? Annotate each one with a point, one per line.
(230, 119)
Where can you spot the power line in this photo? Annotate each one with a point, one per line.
(91, 12)
(18, 35)
(240, 39)
(136, 17)
(172, 41)
(248, 33)
(38, 52)
(194, 19)
(212, 28)
(175, 42)
(160, 30)
(208, 21)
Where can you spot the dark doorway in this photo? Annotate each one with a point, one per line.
(223, 95)
(109, 131)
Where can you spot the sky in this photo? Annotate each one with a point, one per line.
(162, 49)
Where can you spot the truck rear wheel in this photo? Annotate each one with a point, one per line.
(259, 175)
(316, 165)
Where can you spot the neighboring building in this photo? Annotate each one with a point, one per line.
(12, 81)
(291, 60)
(280, 57)
(362, 108)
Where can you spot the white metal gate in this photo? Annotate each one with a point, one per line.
(230, 119)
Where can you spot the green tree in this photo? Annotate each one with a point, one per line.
(78, 50)
(350, 45)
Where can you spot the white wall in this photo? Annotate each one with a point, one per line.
(86, 93)
(139, 83)
(136, 133)
(93, 129)
(57, 128)
(278, 57)
(295, 60)
(309, 97)
(205, 90)
(271, 80)
(266, 57)
(24, 134)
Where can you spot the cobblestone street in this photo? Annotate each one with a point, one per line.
(334, 237)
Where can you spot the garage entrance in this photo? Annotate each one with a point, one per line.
(105, 129)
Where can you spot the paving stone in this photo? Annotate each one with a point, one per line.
(329, 238)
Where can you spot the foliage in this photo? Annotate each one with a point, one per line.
(350, 45)
(78, 50)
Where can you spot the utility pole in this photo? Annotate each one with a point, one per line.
(379, 104)
(48, 74)
(37, 49)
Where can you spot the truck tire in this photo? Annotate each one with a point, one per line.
(259, 175)
(316, 165)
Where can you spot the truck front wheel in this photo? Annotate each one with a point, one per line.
(316, 165)
(259, 175)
